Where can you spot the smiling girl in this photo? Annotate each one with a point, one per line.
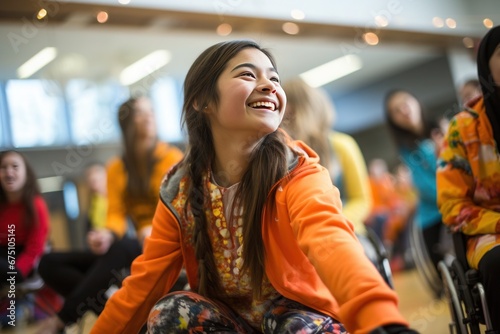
(255, 220)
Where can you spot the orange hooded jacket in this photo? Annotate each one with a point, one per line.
(312, 256)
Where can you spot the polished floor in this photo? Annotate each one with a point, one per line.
(425, 314)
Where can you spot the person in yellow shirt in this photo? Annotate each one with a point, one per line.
(309, 117)
(133, 185)
(96, 181)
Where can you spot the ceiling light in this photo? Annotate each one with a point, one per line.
(36, 62)
(381, 21)
(224, 29)
(290, 28)
(437, 22)
(488, 23)
(71, 65)
(370, 38)
(41, 14)
(124, 2)
(102, 17)
(332, 70)
(297, 14)
(145, 66)
(451, 23)
(468, 42)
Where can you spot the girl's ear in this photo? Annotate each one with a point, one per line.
(200, 108)
(196, 106)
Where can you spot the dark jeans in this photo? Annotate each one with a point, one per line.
(82, 277)
(489, 267)
(5, 267)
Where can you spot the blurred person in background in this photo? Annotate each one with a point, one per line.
(468, 177)
(392, 209)
(413, 134)
(309, 117)
(408, 195)
(96, 182)
(469, 90)
(384, 199)
(133, 184)
(24, 217)
(24, 227)
(383, 217)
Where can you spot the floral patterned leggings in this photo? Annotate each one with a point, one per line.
(186, 312)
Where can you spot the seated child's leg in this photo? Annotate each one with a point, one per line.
(188, 312)
(489, 267)
(287, 316)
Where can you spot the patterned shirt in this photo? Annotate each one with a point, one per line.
(468, 180)
(226, 234)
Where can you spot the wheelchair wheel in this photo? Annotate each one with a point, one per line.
(471, 312)
(464, 313)
(375, 251)
(457, 325)
(426, 270)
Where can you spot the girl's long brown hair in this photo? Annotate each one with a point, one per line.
(30, 191)
(266, 166)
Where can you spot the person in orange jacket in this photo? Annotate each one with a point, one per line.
(254, 218)
(133, 187)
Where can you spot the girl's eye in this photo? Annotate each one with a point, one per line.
(248, 74)
(276, 79)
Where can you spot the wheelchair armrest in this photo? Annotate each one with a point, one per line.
(376, 242)
(472, 276)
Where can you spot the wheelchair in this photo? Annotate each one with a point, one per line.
(464, 292)
(426, 270)
(377, 254)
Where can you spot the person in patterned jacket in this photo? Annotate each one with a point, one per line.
(468, 175)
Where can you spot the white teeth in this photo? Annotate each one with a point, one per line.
(266, 104)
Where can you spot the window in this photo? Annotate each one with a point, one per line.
(93, 108)
(36, 113)
(165, 96)
(3, 140)
(4, 129)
